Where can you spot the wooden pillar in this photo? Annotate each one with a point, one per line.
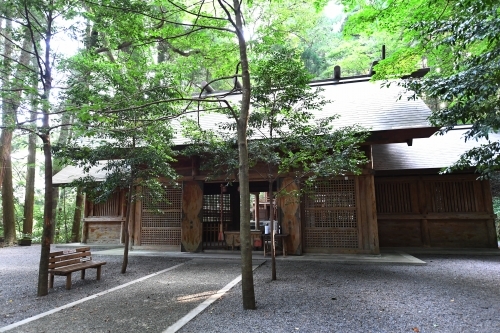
(488, 205)
(289, 215)
(86, 212)
(137, 218)
(191, 225)
(371, 214)
(256, 211)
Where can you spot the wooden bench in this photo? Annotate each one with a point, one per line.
(69, 261)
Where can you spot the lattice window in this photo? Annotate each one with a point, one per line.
(212, 217)
(330, 214)
(393, 197)
(452, 197)
(109, 208)
(211, 207)
(332, 193)
(161, 217)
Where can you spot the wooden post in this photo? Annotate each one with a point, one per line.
(137, 219)
(289, 209)
(191, 225)
(256, 211)
(371, 214)
(488, 205)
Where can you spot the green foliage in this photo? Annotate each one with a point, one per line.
(460, 39)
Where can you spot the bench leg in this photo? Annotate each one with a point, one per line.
(68, 281)
(99, 273)
(83, 274)
(51, 281)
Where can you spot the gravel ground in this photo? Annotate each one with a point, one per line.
(452, 293)
(449, 294)
(19, 280)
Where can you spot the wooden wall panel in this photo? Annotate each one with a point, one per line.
(289, 208)
(192, 228)
(454, 211)
(458, 233)
(399, 233)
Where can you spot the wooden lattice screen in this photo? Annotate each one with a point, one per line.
(109, 208)
(393, 197)
(161, 217)
(452, 197)
(212, 216)
(396, 197)
(330, 215)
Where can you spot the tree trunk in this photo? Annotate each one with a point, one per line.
(7, 52)
(57, 166)
(77, 217)
(11, 102)
(248, 292)
(29, 195)
(127, 223)
(273, 243)
(43, 273)
(46, 76)
(9, 216)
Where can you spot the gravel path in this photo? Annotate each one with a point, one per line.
(450, 294)
(19, 279)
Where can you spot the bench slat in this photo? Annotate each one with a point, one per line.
(58, 253)
(76, 267)
(69, 256)
(64, 263)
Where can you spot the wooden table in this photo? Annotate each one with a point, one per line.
(277, 237)
(233, 238)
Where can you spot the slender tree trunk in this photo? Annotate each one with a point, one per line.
(127, 223)
(129, 213)
(9, 222)
(77, 217)
(273, 243)
(46, 78)
(43, 273)
(29, 195)
(248, 292)
(9, 216)
(57, 166)
(6, 133)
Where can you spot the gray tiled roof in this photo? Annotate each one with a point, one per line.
(438, 151)
(364, 103)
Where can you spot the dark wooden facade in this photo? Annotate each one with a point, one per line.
(353, 214)
(451, 211)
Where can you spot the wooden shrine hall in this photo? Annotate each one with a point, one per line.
(399, 199)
